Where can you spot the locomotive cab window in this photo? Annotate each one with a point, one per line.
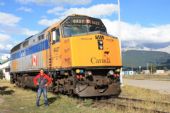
(55, 36)
(75, 30)
(82, 25)
(48, 36)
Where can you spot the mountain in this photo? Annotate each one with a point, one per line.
(166, 49)
(135, 45)
(136, 58)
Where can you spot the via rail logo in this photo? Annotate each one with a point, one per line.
(34, 60)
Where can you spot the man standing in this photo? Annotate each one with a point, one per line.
(42, 80)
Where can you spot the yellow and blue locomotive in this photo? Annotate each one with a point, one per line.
(81, 57)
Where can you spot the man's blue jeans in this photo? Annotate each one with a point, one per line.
(39, 92)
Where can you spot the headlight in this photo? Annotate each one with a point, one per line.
(100, 47)
(77, 70)
(89, 73)
(111, 72)
(100, 42)
(117, 70)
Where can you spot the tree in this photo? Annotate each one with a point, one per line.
(152, 68)
(1, 74)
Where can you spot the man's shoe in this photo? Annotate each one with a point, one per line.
(46, 105)
(37, 104)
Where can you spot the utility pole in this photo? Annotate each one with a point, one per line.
(119, 35)
(118, 1)
(147, 65)
(119, 26)
(151, 69)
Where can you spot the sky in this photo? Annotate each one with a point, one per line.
(145, 24)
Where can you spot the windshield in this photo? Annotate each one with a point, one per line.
(78, 26)
(75, 30)
(72, 30)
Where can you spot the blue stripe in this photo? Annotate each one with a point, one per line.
(31, 50)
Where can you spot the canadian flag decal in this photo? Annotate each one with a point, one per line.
(34, 60)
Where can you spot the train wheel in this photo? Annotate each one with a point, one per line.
(17, 83)
(71, 92)
(24, 80)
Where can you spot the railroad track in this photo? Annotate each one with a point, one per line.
(141, 100)
(122, 106)
(126, 105)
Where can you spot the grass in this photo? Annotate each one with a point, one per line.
(18, 100)
(148, 77)
(23, 101)
(146, 94)
(135, 92)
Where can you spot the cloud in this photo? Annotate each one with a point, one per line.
(56, 10)
(156, 45)
(95, 11)
(5, 43)
(47, 22)
(138, 33)
(8, 19)
(55, 2)
(25, 9)
(4, 37)
(5, 56)
(5, 47)
(28, 32)
(17, 30)
(9, 25)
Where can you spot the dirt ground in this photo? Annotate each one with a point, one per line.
(1, 100)
(161, 86)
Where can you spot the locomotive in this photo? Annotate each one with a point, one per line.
(77, 52)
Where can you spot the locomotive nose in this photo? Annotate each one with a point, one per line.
(95, 50)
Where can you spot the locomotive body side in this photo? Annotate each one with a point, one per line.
(30, 56)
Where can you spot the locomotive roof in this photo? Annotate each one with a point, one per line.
(29, 37)
(15, 48)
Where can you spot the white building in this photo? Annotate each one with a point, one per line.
(160, 71)
(145, 72)
(5, 67)
(128, 73)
